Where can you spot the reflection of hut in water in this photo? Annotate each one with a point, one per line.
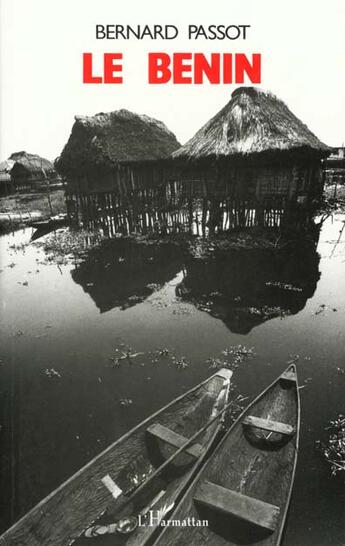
(122, 273)
(114, 152)
(31, 170)
(245, 288)
(256, 155)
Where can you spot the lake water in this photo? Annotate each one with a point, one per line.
(66, 393)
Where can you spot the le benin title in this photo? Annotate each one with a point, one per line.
(179, 67)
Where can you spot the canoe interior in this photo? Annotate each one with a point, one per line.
(83, 499)
(249, 462)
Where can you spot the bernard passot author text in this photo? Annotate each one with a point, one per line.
(178, 67)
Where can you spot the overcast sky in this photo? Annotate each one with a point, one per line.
(42, 41)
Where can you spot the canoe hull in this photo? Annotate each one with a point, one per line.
(103, 483)
(244, 490)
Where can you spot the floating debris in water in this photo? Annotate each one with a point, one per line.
(216, 293)
(125, 402)
(158, 303)
(135, 298)
(293, 359)
(134, 355)
(19, 246)
(266, 312)
(19, 333)
(127, 355)
(333, 449)
(217, 363)
(182, 310)
(51, 372)
(239, 350)
(154, 286)
(320, 309)
(283, 286)
(238, 354)
(65, 244)
(115, 362)
(235, 355)
(163, 352)
(180, 363)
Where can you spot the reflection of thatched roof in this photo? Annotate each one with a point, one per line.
(252, 122)
(245, 288)
(121, 273)
(103, 140)
(31, 162)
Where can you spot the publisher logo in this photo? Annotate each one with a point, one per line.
(154, 518)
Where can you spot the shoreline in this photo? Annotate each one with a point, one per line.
(18, 210)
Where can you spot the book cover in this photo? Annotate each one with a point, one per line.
(172, 273)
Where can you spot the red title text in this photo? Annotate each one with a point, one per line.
(178, 68)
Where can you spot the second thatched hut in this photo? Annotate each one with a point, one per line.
(5, 176)
(254, 148)
(31, 171)
(118, 152)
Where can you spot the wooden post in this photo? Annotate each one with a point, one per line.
(49, 199)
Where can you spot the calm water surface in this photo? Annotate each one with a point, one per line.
(64, 326)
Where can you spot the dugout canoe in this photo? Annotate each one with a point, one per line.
(54, 222)
(243, 491)
(98, 495)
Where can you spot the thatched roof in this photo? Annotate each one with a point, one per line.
(5, 170)
(253, 122)
(104, 140)
(31, 163)
(6, 166)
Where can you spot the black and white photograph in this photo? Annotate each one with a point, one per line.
(172, 273)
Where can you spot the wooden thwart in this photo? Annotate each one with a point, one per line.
(254, 511)
(176, 440)
(266, 424)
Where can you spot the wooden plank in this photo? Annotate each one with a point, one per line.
(176, 440)
(267, 424)
(254, 511)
